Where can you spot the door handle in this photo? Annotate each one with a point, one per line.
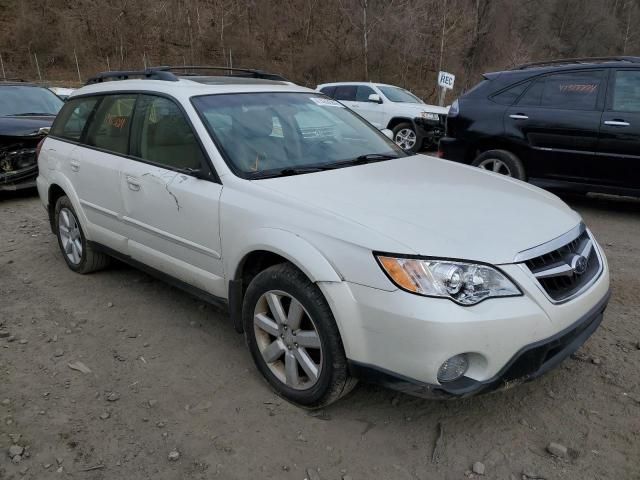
(519, 116)
(133, 184)
(617, 123)
(75, 166)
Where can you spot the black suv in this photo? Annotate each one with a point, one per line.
(26, 113)
(566, 124)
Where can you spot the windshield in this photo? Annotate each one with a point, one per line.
(24, 100)
(271, 134)
(399, 95)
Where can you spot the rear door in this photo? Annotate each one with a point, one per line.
(619, 147)
(171, 215)
(95, 167)
(555, 123)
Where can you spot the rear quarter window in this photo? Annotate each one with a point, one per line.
(71, 120)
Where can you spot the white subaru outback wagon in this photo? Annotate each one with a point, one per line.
(339, 256)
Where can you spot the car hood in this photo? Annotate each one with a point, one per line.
(424, 107)
(24, 126)
(434, 207)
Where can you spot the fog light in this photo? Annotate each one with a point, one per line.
(453, 368)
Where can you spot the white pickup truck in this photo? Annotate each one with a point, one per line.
(415, 124)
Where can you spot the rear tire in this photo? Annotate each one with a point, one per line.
(78, 254)
(301, 356)
(503, 162)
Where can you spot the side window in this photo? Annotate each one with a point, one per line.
(330, 91)
(165, 137)
(572, 91)
(73, 117)
(533, 96)
(363, 93)
(626, 94)
(111, 124)
(346, 92)
(507, 97)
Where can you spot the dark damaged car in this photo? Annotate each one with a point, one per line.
(26, 114)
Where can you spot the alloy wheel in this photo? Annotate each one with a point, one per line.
(288, 340)
(405, 138)
(495, 165)
(70, 236)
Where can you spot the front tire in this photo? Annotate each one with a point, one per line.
(406, 137)
(293, 338)
(78, 254)
(503, 162)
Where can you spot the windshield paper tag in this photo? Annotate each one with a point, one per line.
(326, 102)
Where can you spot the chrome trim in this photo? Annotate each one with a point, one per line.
(565, 270)
(585, 287)
(551, 245)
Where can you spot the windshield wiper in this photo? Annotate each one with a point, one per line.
(285, 172)
(31, 114)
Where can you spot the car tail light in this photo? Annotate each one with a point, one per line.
(39, 147)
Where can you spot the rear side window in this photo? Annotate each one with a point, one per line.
(626, 95)
(163, 135)
(109, 129)
(510, 95)
(73, 117)
(570, 91)
(346, 92)
(328, 91)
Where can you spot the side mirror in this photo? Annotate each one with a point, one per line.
(387, 133)
(200, 173)
(375, 98)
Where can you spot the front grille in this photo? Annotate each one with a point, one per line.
(562, 273)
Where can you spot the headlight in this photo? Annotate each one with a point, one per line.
(464, 283)
(430, 116)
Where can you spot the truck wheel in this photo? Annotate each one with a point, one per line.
(293, 338)
(503, 162)
(406, 137)
(78, 254)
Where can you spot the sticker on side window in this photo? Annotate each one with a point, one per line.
(326, 102)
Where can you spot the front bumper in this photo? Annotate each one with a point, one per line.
(400, 340)
(529, 363)
(19, 180)
(429, 130)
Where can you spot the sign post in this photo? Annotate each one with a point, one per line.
(445, 81)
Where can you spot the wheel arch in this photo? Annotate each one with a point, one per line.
(273, 246)
(395, 121)
(60, 187)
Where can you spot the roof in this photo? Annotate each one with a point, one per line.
(335, 84)
(186, 87)
(562, 64)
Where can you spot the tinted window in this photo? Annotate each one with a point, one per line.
(346, 92)
(328, 91)
(571, 91)
(73, 117)
(363, 93)
(507, 97)
(111, 123)
(24, 101)
(533, 96)
(626, 95)
(165, 137)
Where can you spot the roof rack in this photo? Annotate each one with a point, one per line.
(567, 61)
(233, 72)
(153, 73)
(166, 73)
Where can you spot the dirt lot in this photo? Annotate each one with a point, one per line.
(169, 373)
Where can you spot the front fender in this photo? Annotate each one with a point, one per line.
(286, 244)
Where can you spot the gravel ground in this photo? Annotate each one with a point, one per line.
(172, 393)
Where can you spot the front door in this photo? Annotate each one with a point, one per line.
(373, 112)
(556, 122)
(171, 215)
(619, 146)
